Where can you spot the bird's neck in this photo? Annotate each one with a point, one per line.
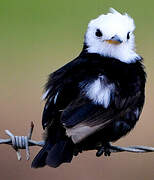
(124, 55)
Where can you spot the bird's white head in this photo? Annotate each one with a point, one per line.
(111, 35)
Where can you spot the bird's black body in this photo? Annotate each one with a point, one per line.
(67, 106)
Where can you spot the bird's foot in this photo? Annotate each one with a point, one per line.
(104, 149)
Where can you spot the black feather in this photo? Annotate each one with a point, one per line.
(73, 107)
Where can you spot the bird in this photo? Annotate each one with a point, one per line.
(98, 97)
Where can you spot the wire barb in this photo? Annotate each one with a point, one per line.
(23, 142)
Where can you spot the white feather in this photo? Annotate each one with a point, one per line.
(110, 25)
(99, 91)
(80, 131)
(55, 98)
(45, 94)
(113, 11)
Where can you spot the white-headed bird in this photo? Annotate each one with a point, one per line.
(98, 97)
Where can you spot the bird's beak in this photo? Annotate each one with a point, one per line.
(114, 40)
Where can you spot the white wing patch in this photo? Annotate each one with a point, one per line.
(100, 91)
(81, 131)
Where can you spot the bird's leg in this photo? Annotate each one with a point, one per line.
(105, 148)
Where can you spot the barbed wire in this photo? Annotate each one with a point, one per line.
(23, 142)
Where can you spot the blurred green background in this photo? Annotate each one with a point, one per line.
(36, 38)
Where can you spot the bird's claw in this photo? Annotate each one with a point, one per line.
(107, 152)
(104, 149)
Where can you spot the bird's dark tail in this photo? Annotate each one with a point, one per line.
(54, 154)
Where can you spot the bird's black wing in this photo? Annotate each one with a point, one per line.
(83, 118)
(64, 98)
(83, 110)
(62, 86)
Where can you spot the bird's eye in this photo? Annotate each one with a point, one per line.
(128, 35)
(98, 33)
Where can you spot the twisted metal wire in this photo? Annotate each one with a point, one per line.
(23, 142)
